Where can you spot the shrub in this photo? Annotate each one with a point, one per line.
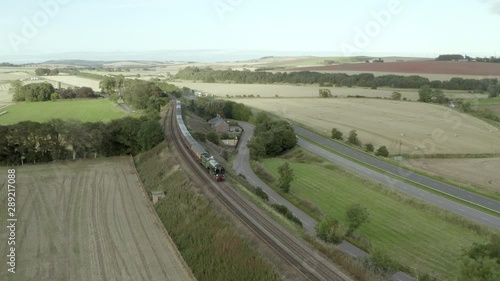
(382, 151)
(330, 230)
(380, 263)
(353, 138)
(369, 147)
(336, 134)
(261, 193)
(199, 136)
(213, 137)
(396, 96)
(282, 209)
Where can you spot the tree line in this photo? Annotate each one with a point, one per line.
(46, 71)
(209, 75)
(208, 108)
(271, 138)
(37, 92)
(455, 57)
(33, 142)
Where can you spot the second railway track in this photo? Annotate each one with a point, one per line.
(304, 259)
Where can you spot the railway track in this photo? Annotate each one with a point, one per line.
(305, 260)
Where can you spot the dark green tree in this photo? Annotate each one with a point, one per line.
(425, 94)
(482, 261)
(336, 134)
(286, 177)
(396, 96)
(150, 134)
(330, 230)
(382, 151)
(353, 138)
(369, 147)
(356, 215)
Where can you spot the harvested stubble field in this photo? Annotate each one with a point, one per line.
(75, 81)
(422, 128)
(87, 220)
(431, 67)
(482, 173)
(292, 91)
(5, 96)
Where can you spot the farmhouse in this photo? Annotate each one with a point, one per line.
(219, 124)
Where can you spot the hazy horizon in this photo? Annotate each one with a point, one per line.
(228, 30)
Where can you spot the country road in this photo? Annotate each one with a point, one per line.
(457, 208)
(451, 190)
(241, 165)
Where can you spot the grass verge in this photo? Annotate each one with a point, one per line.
(208, 244)
(418, 235)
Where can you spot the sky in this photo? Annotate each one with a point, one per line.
(218, 29)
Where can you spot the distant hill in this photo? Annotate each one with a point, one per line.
(100, 63)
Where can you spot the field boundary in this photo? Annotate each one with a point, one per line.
(158, 220)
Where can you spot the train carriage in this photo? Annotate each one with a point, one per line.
(201, 155)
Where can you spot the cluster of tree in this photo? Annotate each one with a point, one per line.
(138, 94)
(450, 57)
(208, 108)
(482, 261)
(331, 230)
(354, 140)
(338, 79)
(427, 94)
(32, 92)
(8, 64)
(271, 138)
(325, 93)
(46, 71)
(286, 177)
(73, 93)
(33, 142)
(460, 57)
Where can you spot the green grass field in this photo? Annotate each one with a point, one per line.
(83, 110)
(488, 101)
(413, 237)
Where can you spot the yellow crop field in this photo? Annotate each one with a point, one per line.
(421, 128)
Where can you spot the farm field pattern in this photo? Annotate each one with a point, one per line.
(481, 172)
(221, 90)
(422, 128)
(88, 220)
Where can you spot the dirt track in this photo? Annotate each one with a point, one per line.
(88, 220)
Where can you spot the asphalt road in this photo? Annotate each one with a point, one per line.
(241, 165)
(451, 190)
(429, 197)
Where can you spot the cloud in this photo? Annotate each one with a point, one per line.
(494, 6)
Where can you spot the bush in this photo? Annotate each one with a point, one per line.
(199, 136)
(396, 96)
(382, 151)
(330, 230)
(353, 138)
(282, 209)
(261, 193)
(380, 263)
(213, 137)
(336, 134)
(369, 147)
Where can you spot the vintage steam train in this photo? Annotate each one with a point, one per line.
(202, 156)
